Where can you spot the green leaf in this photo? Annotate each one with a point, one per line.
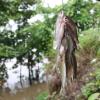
(95, 96)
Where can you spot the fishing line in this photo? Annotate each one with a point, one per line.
(62, 6)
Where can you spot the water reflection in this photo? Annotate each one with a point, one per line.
(13, 81)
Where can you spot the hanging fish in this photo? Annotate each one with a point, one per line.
(59, 30)
(70, 27)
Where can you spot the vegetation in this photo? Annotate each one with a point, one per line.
(20, 41)
(92, 87)
(89, 41)
(42, 96)
(89, 46)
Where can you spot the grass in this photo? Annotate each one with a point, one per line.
(42, 96)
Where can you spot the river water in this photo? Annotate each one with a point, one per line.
(29, 93)
(14, 90)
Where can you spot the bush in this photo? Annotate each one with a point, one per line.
(95, 96)
(98, 53)
(90, 41)
(93, 86)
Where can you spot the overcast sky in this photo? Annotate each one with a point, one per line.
(53, 3)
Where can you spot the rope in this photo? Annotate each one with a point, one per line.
(62, 5)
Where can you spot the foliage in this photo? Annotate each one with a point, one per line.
(19, 11)
(42, 96)
(94, 96)
(3, 72)
(89, 89)
(90, 41)
(26, 37)
(21, 42)
(84, 13)
(94, 85)
(98, 53)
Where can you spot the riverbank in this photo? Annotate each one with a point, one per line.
(29, 93)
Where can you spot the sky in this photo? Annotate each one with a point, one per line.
(53, 3)
(46, 3)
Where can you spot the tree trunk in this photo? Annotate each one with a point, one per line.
(21, 78)
(29, 70)
(30, 80)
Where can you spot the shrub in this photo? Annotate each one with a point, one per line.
(90, 41)
(93, 86)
